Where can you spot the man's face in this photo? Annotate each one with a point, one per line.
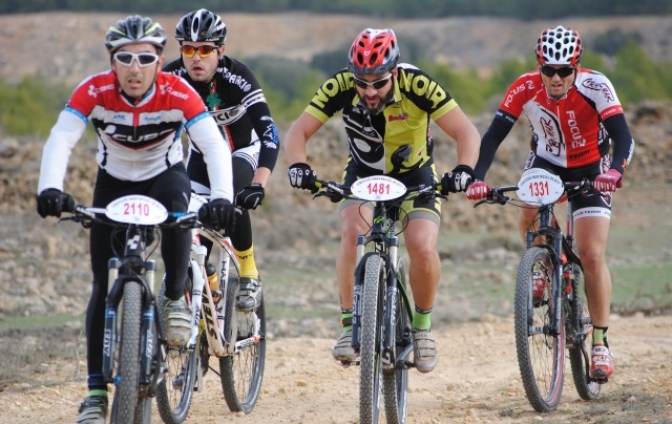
(375, 91)
(201, 59)
(136, 66)
(560, 80)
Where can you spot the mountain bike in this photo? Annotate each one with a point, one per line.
(135, 346)
(236, 338)
(382, 313)
(546, 325)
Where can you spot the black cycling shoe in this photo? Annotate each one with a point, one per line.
(249, 295)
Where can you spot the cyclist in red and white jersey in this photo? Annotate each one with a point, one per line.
(138, 113)
(576, 119)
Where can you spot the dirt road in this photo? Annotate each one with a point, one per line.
(476, 381)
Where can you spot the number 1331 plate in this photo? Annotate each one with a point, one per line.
(539, 187)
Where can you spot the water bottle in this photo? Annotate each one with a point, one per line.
(213, 280)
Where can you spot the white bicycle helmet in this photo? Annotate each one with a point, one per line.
(559, 46)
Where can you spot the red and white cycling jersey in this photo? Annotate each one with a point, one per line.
(566, 132)
(136, 140)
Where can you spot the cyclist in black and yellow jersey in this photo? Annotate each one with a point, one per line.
(386, 107)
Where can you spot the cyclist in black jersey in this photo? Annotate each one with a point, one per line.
(138, 113)
(386, 107)
(236, 101)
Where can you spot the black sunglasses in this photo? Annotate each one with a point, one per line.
(563, 72)
(377, 84)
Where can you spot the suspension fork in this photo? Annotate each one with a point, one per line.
(389, 354)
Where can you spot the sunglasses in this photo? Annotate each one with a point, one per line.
(143, 59)
(377, 85)
(563, 72)
(203, 51)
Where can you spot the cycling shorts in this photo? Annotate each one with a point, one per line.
(581, 206)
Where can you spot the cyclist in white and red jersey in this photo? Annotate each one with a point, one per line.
(138, 113)
(575, 117)
(386, 107)
(235, 99)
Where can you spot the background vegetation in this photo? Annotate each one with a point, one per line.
(525, 9)
(30, 107)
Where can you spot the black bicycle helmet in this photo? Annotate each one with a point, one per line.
(201, 25)
(134, 30)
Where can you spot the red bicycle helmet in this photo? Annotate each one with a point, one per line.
(375, 51)
(559, 46)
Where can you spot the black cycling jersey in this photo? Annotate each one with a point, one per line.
(235, 99)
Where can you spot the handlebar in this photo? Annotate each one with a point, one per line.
(582, 187)
(87, 215)
(336, 191)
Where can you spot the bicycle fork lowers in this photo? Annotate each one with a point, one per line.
(133, 269)
(388, 354)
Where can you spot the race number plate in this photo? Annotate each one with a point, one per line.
(378, 188)
(539, 187)
(136, 209)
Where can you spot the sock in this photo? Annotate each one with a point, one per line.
(248, 268)
(97, 392)
(600, 336)
(346, 320)
(422, 319)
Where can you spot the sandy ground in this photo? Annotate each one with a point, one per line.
(477, 381)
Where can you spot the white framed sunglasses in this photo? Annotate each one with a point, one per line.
(143, 59)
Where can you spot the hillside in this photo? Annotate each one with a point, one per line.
(69, 46)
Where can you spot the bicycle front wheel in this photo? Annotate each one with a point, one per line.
(175, 392)
(370, 371)
(541, 351)
(579, 330)
(243, 371)
(127, 380)
(395, 381)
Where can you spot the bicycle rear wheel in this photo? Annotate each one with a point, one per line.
(370, 371)
(127, 380)
(243, 371)
(541, 354)
(395, 381)
(175, 392)
(579, 330)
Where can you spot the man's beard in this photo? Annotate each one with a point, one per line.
(381, 104)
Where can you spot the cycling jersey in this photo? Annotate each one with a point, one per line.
(396, 140)
(136, 140)
(572, 132)
(236, 101)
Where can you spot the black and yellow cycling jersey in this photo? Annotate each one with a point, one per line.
(398, 139)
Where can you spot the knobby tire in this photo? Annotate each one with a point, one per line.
(395, 381)
(128, 366)
(371, 334)
(541, 355)
(242, 372)
(175, 392)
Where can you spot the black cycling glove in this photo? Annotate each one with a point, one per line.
(301, 176)
(219, 213)
(51, 202)
(250, 197)
(457, 180)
